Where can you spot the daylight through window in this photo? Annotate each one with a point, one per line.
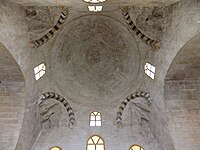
(95, 143)
(55, 148)
(95, 8)
(39, 71)
(136, 147)
(94, 1)
(95, 119)
(150, 70)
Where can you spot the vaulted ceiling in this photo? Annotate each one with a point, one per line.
(94, 61)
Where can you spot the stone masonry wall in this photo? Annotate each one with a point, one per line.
(14, 34)
(182, 89)
(115, 138)
(11, 113)
(12, 94)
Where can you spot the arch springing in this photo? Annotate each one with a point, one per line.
(95, 143)
(61, 99)
(125, 103)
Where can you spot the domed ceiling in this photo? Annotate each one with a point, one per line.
(95, 60)
(81, 3)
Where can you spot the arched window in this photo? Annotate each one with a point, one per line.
(136, 147)
(95, 143)
(55, 148)
(95, 119)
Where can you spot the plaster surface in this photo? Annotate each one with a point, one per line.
(92, 59)
(101, 63)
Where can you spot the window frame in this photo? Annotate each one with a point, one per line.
(95, 8)
(55, 147)
(95, 118)
(39, 71)
(150, 70)
(97, 143)
(141, 148)
(91, 1)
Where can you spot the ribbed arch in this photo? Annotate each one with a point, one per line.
(153, 43)
(63, 16)
(123, 105)
(61, 99)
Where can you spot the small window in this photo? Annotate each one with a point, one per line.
(39, 71)
(55, 148)
(95, 143)
(136, 147)
(95, 119)
(94, 1)
(150, 70)
(95, 8)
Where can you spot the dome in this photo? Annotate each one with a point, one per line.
(95, 60)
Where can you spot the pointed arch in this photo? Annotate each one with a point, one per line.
(182, 90)
(123, 105)
(37, 43)
(95, 142)
(13, 98)
(61, 99)
(150, 42)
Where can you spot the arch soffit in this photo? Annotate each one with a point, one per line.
(11, 61)
(190, 44)
(11, 56)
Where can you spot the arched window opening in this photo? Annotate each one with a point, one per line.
(95, 143)
(55, 148)
(95, 119)
(94, 1)
(136, 147)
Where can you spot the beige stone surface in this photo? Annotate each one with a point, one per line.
(95, 61)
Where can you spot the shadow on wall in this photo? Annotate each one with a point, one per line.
(182, 89)
(144, 118)
(12, 93)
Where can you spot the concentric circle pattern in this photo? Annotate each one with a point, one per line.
(95, 60)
